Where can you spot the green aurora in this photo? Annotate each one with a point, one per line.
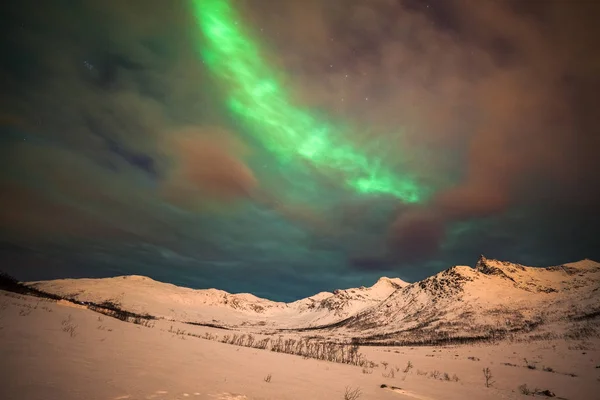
(284, 129)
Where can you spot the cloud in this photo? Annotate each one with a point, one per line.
(52, 192)
(206, 166)
(113, 131)
(479, 98)
(111, 121)
(415, 235)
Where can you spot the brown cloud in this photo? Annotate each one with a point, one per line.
(207, 166)
(415, 235)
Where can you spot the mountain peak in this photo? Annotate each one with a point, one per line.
(493, 267)
(481, 262)
(396, 283)
(488, 266)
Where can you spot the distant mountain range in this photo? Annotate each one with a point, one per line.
(494, 299)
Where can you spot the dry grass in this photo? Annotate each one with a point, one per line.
(69, 327)
(390, 374)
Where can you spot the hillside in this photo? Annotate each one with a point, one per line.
(143, 295)
(493, 299)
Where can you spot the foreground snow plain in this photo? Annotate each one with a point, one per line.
(57, 350)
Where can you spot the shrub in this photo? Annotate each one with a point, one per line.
(487, 374)
(68, 327)
(352, 394)
(524, 389)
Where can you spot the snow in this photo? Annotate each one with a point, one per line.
(544, 317)
(111, 359)
(144, 295)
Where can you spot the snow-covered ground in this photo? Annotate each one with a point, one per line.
(538, 327)
(51, 350)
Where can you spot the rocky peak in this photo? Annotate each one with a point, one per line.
(482, 264)
(395, 283)
(491, 267)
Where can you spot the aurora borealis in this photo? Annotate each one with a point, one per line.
(284, 147)
(284, 129)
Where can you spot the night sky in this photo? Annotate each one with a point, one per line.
(287, 147)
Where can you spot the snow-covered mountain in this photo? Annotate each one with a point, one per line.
(494, 298)
(143, 295)
(345, 302)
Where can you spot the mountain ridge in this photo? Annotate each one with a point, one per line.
(494, 296)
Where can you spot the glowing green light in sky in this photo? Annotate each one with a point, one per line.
(284, 129)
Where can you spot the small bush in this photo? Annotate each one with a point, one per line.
(24, 312)
(268, 378)
(68, 327)
(409, 366)
(352, 394)
(524, 389)
(487, 374)
(390, 374)
(548, 369)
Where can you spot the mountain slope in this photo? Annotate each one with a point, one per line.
(146, 296)
(143, 295)
(494, 299)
